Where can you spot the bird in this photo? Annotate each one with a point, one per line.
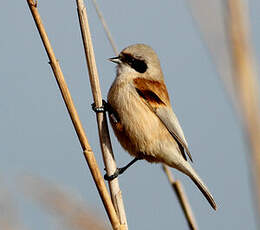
(142, 117)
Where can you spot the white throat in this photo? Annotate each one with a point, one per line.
(124, 69)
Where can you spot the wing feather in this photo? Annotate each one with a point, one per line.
(156, 97)
(171, 122)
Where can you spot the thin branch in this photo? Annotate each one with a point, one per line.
(57, 201)
(9, 216)
(109, 36)
(182, 198)
(209, 19)
(104, 137)
(88, 153)
(245, 82)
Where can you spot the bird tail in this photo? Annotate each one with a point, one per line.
(202, 187)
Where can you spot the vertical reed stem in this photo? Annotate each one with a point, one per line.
(104, 137)
(245, 83)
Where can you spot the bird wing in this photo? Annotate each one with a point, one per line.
(156, 97)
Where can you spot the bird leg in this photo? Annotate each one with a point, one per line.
(120, 171)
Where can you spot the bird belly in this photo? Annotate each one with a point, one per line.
(139, 130)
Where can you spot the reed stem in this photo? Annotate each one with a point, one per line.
(245, 82)
(182, 198)
(104, 137)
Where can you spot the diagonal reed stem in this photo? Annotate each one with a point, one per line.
(182, 198)
(103, 21)
(88, 153)
(104, 137)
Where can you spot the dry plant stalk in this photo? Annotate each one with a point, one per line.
(73, 213)
(182, 198)
(178, 188)
(103, 21)
(209, 17)
(9, 216)
(104, 137)
(88, 153)
(245, 83)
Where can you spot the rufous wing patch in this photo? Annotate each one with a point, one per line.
(154, 92)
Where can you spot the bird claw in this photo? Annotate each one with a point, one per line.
(101, 109)
(120, 171)
(113, 176)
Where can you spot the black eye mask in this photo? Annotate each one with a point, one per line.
(137, 64)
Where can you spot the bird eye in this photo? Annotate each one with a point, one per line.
(137, 64)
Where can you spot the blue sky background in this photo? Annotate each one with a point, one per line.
(37, 136)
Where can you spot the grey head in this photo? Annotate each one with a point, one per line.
(140, 59)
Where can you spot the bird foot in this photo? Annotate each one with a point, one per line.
(101, 109)
(118, 172)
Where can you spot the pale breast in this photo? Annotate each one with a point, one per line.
(140, 130)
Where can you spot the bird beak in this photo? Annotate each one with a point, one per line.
(115, 59)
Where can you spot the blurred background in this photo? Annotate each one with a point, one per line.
(44, 179)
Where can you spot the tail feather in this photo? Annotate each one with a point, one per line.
(189, 171)
(203, 188)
